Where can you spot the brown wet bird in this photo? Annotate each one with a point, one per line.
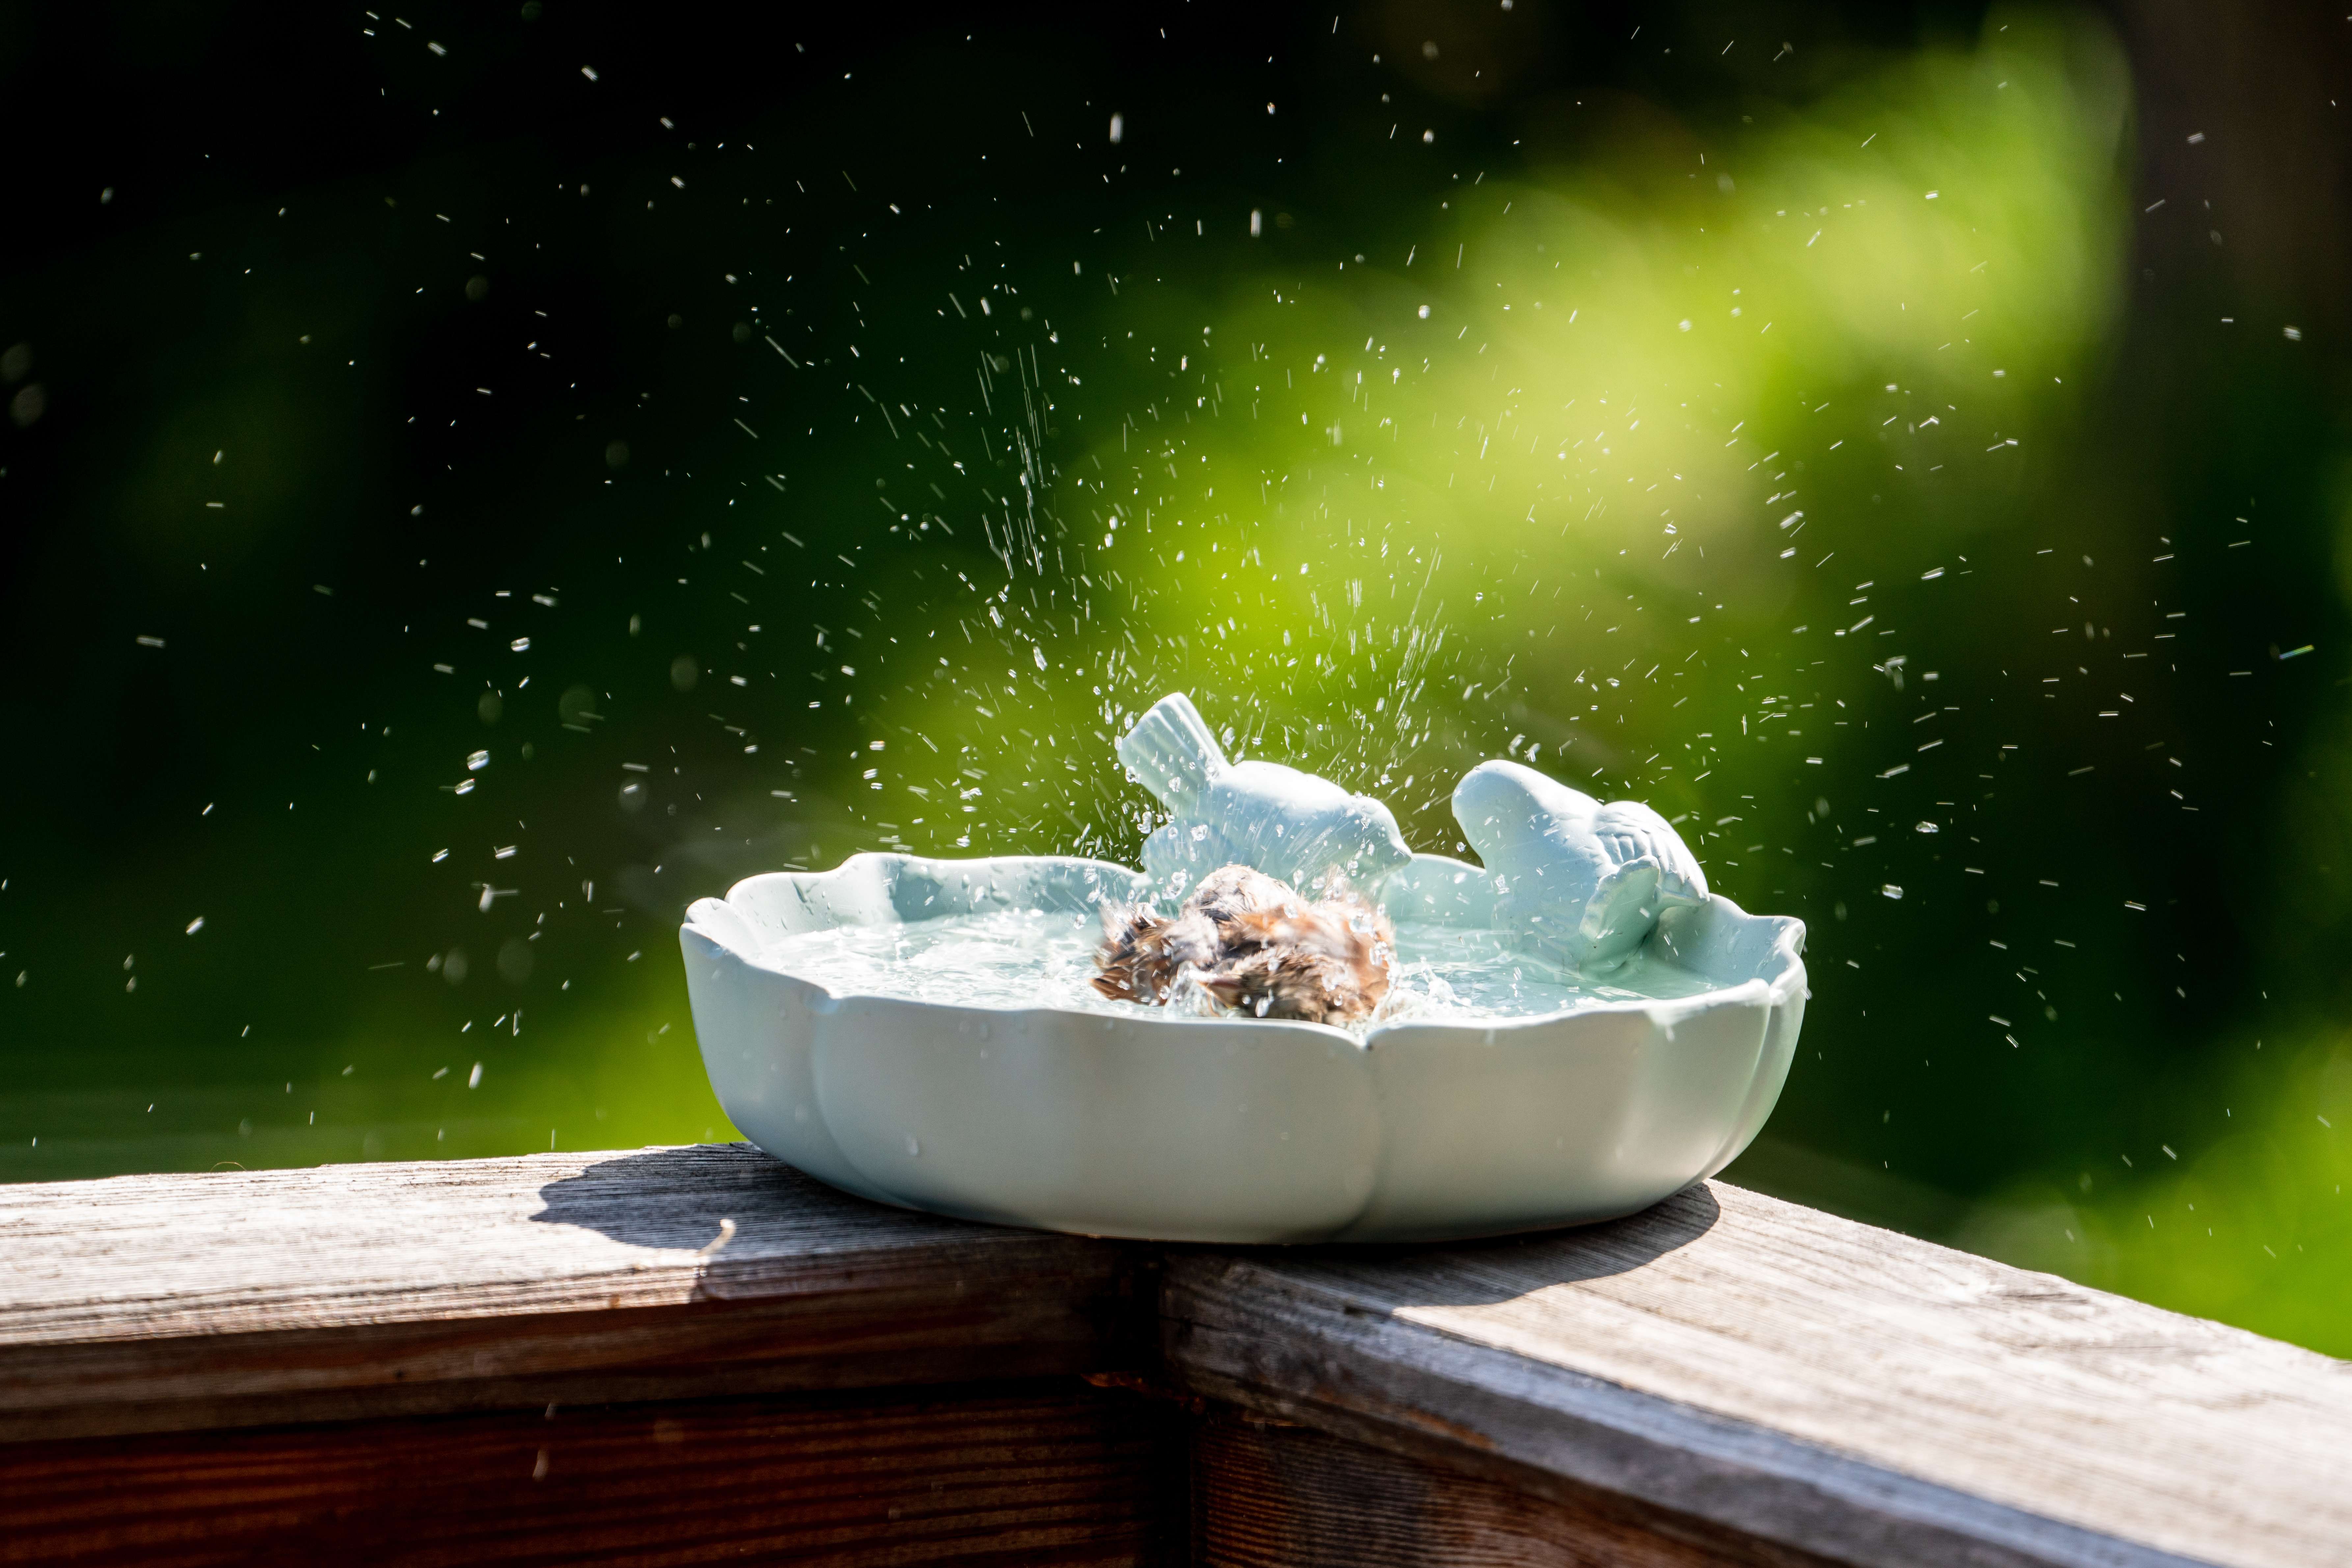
(1255, 945)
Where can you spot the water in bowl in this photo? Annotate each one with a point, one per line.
(1038, 958)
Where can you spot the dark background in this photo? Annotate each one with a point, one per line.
(334, 344)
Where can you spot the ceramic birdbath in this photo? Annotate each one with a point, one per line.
(1054, 1110)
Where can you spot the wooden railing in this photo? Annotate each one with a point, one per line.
(555, 1360)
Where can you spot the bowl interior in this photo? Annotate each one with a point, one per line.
(1726, 947)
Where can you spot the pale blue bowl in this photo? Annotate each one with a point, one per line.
(1229, 1129)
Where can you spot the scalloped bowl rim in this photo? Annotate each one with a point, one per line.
(1716, 995)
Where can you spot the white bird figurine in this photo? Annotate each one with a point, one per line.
(1584, 881)
(1294, 826)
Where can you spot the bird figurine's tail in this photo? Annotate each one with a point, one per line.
(1172, 751)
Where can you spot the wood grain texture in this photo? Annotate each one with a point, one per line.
(1061, 1475)
(1735, 1374)
(159, 1302)
(1290, 1497)
(1814, 1383)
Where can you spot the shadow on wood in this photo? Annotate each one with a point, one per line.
(1486, 1272)
(672, 1199)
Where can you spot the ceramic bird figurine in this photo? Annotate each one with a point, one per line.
(1252, 944)
(1292, 825)
(1583, 881)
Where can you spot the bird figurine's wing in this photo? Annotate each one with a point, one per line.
(1583, 881)
(1628, 830)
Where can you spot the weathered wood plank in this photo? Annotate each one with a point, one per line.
(1291, 1497)
(1814, 1383)
(999, 1476)
(1729, 1373)
(155, 1302)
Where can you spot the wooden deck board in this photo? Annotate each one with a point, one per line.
(1830, 1386)
(1001, 1476)
(1722, 1378)
(152, 1302)
(1291, 1497)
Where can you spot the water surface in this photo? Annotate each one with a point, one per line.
(1029, 958)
